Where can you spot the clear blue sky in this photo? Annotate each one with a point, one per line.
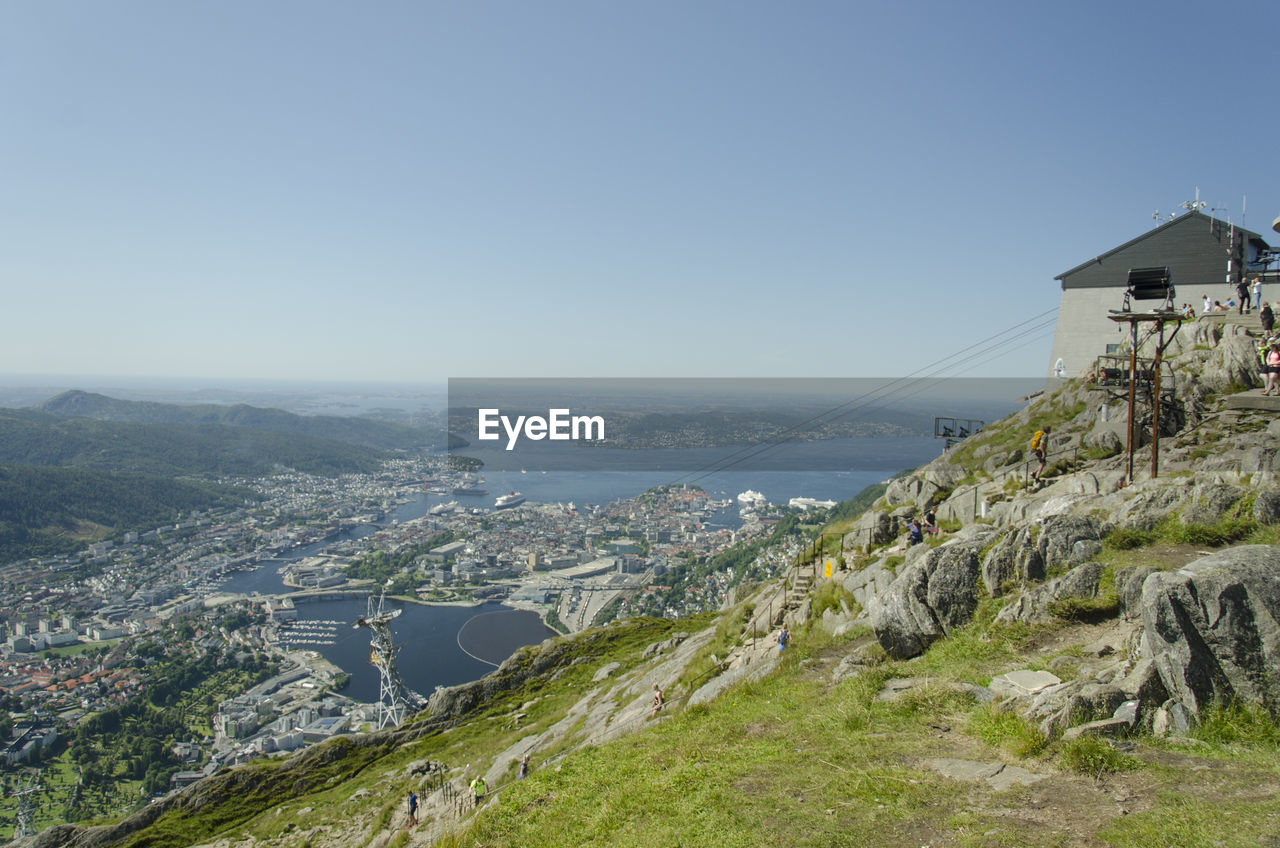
(422, 190)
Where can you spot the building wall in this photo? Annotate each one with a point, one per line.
(1194, 248)
(1084, 330)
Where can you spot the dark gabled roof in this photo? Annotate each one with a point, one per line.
(1194, 215)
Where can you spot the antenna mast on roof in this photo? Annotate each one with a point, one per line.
(1194, 205)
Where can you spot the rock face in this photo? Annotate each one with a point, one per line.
(1129, 590)
(1213, 628)
(929, 599)
(1061, 534)
(1033, 605)
(1015, 557)
(1266, 507)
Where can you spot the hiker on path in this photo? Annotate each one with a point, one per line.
(783, 638)
(413, 810)
(1267, 317)
(658, 701)
(931, 521)
(524, 768)
(1039, 450)
(478, 788)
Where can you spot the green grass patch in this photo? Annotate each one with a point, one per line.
(831, 595)
(1237, 723)
(1095, 757)
(1185, 821)
(1007, 731)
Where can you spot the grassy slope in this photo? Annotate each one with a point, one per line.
(795, 760)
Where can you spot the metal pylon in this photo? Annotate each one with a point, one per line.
(26, 820)
(394, 698)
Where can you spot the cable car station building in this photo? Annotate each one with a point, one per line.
(1203, 255)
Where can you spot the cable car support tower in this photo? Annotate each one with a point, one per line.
(25, 823)
(394, 698)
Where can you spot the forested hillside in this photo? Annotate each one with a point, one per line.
(365, 432)
(46, 511)
(28, 437)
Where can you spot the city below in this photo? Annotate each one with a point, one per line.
(156, 621)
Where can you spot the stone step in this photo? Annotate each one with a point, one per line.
(1252, 399)
(1251, 322)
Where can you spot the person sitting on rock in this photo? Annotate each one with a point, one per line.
(917, 535)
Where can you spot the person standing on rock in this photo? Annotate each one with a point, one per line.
(1039, 450)
(658, 701)
(1273, 369)
(413, 810)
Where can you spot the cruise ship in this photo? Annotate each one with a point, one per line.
(469, 490)
(508, 501)
(444, 508)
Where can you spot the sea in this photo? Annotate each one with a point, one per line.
(444, 645)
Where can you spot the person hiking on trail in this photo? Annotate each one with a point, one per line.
(784, 636)
(931, 521)
(413, 809)
(524, 768)
(1038, 449)
(658, 701)
(478, 788)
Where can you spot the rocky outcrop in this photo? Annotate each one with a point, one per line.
(1233, 362)
(1016, 557)
(1210, 502)
(1213, 628)
(1034, 605)
(929, 598)
(1266, 507)
(1061, 535)
(874, 527)
(1129, 590)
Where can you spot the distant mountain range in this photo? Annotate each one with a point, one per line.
(82, 466)
(364, 432)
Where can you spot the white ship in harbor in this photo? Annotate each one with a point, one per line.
(508, 501)
(444, 508)
(752, 498)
